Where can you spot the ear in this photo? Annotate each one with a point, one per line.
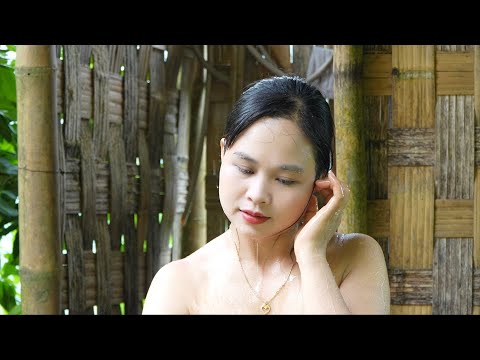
(222, 148)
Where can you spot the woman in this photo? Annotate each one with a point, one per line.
(281, 255)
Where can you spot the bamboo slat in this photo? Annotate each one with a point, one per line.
(452, 276)
(156, 116)
(410, 287)
(452, 272)
(453, 74)
(455, 147)
(100, 145)
(70, 143)
(411, 189)
(378, 218)
(377, 115)
(476, 191)
(411, 147)
(116, 280)
(453, 218)
(115, 105)
(88, 186)
(219, 107)
(131, 134)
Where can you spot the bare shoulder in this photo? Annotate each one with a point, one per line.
(364, 286)
(174, 288)
(169, 290)
(356, 248)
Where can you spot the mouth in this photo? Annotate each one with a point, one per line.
(253, 217)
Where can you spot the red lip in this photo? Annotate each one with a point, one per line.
(253, 217)
(256, 214)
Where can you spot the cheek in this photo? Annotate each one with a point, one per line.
(294, 202)
(228, 187)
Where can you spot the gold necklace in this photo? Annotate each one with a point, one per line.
(266, 304)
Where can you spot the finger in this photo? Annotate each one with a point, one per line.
(323, 187)
(340, 193)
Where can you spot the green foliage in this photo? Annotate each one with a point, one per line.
(9, 275)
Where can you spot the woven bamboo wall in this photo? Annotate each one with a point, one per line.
(110, 204)
(423, 152)
(421, 164)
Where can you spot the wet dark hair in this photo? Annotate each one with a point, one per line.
(292, 98)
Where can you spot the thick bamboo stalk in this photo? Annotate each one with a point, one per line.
(350, 134)
(183, 144)
(37, 179)
(175, 54)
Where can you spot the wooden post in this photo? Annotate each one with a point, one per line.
(350, 134)
(37, 179)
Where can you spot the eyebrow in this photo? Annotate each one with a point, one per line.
(287, 167)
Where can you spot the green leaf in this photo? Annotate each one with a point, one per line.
(7, 209)
(8, 129)
(6, 168)
(16, 310)
(9, 194)
(7, 230)
(9, 269)
(8, 94)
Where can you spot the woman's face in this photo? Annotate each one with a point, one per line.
(266, 177)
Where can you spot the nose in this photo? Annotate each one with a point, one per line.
(258, 190)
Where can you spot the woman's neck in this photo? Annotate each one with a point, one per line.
(263, 251)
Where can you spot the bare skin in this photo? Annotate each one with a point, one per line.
(278, 251)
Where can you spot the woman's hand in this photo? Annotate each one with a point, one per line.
(320, 225)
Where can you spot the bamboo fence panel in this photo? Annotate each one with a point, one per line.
(411, 187)
(476, 191)
(73, 56)
(219, 105)
(156, 114)
(454, 156)
(378, 116)
(111, 183)
(125, 152)
(449, 143)
(422, 162)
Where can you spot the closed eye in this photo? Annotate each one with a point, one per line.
(245, 170)
(286, 182)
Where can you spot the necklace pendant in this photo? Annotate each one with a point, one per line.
(265, 308)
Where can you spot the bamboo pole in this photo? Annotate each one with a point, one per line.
(350, 134)
(175, 54)
(183, 144)
(37, 179)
